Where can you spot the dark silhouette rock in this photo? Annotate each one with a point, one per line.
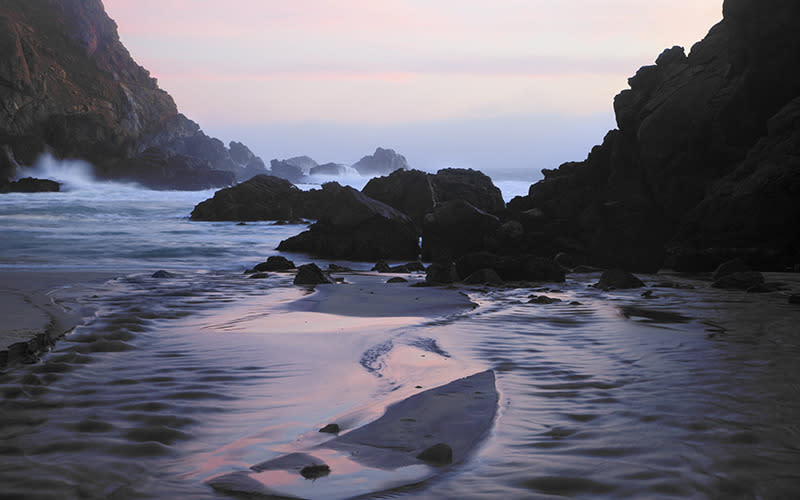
(438, 454)
(705, 157)
(304, 163)
(258, 276)
(544, 299)
(70, 87)
(617, 279)
(438, 273)
(382, 162)
(274, 263)
(331, 429)
(409, 191)
(730, 267)
(315, 471)
(469, 185)
(381, 266)
(794, 298)
(311, 274)
(338, 269)
(456, 228)
(484, 276)
(353, 226)
(263, 197)
(286, 170)
(162, 274)
(397, 279)
(30, 185)
(739, 280)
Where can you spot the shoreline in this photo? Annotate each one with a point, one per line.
(40, 306)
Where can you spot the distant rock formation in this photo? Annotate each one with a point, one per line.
(304, 163)
(286, 170)
(328, 170)
(69, 86)
(382, 162)
(706, 156)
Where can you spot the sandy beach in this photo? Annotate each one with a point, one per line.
(38, 307)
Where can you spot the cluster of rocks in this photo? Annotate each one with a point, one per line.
(304, 170)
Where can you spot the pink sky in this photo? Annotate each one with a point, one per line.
(235, 64)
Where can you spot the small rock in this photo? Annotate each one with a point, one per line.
(742, 280)
(331, 429)
(648, 294)
(544, 299)
(273, 263)
(381, 266)
(618, 279)
(438, 454)
(335, 268)
(259, 276)
(397, 279)
(311, 274)
(315, 471)
(162, 274)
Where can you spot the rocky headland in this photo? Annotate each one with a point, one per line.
(69, 87)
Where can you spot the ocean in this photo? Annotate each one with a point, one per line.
(692, 392)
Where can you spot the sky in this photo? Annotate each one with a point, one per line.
(508, 86)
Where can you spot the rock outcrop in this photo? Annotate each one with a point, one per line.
(263, 197)
(382, 162)
(328, 170)
(350, 225)
(455, 228)
(706, 154)
(68, 86)
(286, 170)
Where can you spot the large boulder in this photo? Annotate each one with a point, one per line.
(263, 197)
(30, 185)
(311, 274)
(382, 162)
(409, 191)
(456, 228)
(286, 170)
(350, 225)
(161, 169)
(469, 185)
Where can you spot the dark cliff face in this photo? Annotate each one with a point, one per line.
(68, 85)
(686, 125)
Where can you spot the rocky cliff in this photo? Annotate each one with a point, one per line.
(69, 86)
(704, 164)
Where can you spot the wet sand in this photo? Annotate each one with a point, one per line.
(38, 307)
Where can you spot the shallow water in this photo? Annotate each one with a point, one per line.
(693, 393)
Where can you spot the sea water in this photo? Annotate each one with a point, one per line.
(692, 392)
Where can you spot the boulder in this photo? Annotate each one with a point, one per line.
(311, 274)
(456, 228)
(353, 226)
(263, 197)
(740, 280)
(273, 263)
(729, 267)
(331, 429)
(328, 170)
(381, 266)
(439, 273)
(409, 191)
(484, 276)
(159, 168)
(468, 185)
(161, 274)
(382, 162)
(544, 299)
(30, 185)
(397, 279)
(617, 279)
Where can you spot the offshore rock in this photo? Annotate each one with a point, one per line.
(353, 226)
(617, 279)
(469, 185)
(263, 197)
(273, 263)
(382, 162)
(30, 185)
(286, 170)
(328, 169)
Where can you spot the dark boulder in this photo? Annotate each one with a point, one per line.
(484, 276)
(438, 454)
(730, 267)
(353, 226)
(331, 429)
(397, 279)
(382, 162)
(315, 471)
(409, 191)
(263, 197)
(456, 228)
(381, 266)
(30, 185)
(311, 274)
(740, 280)
(438, 273)
(162, 274)
(273, 263)
(617, 279)
(468, 185)
(544, 300)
